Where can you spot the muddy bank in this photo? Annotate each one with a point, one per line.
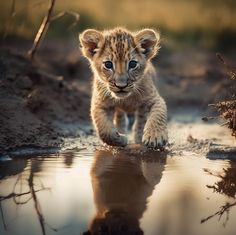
(37, 108)
(44, 103)
(192, 77)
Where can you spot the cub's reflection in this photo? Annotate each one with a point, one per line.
(121, 186)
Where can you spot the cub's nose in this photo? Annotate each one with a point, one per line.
(121, 85)
(121, 81)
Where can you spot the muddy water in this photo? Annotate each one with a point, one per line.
(110, 192)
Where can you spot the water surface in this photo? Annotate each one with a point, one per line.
(107, 192)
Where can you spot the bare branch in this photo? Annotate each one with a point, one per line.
(14, 195)
(3, 218)
(227, 107)
(42, 30)
(230, 69)
(11, 195)
(206, 119)
(46, 23)
(224, 209)
(71, 13)
(13, 5)
(21, 202)
(36, 203)
(63, 13)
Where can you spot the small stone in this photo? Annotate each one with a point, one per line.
(24, 82)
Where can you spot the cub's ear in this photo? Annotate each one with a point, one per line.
(91, 41)
(148, 41)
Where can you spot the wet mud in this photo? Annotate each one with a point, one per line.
(117, 191)
(45, 104)
(51, 160)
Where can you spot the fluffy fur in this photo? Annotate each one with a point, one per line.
(121, 187)
(124, 82)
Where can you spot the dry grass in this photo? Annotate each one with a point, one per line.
(175, 15)
(227, 108)
(172, 15)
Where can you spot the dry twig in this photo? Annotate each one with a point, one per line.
(42, 30)
(63, 13)
(227, 108)
(45, 24)
(223, 210)
(231, 70)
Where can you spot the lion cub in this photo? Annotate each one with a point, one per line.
(124, 82)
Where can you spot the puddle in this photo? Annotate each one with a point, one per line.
(107, 192)
(189, 189)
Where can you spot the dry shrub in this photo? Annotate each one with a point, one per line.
(227, 108)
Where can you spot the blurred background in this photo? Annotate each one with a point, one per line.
(208, 23)
(45, 108)
(53, 90)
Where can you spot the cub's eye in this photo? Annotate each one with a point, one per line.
(132, 64)
(108, 64)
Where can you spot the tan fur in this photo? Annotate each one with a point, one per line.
(123, 89)
(121, 188)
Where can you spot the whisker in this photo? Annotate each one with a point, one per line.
(140, 91)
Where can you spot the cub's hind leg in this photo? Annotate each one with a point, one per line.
(121, 121)
(139, 123)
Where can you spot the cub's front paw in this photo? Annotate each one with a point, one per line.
(155, 139)
(114, 138)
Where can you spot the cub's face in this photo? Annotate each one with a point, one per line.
(119, 57)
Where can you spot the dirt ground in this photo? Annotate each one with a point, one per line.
(45, 103)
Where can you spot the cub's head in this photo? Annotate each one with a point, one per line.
(119, 57)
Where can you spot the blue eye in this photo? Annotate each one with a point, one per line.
(108, 64)
(132, 64)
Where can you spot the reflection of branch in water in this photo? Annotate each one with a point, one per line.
(224, 209)
(31, 194)
(227, 183)
(13, 195)
(36, 203)
(37, 206)
(16, 195)
(3, 218)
